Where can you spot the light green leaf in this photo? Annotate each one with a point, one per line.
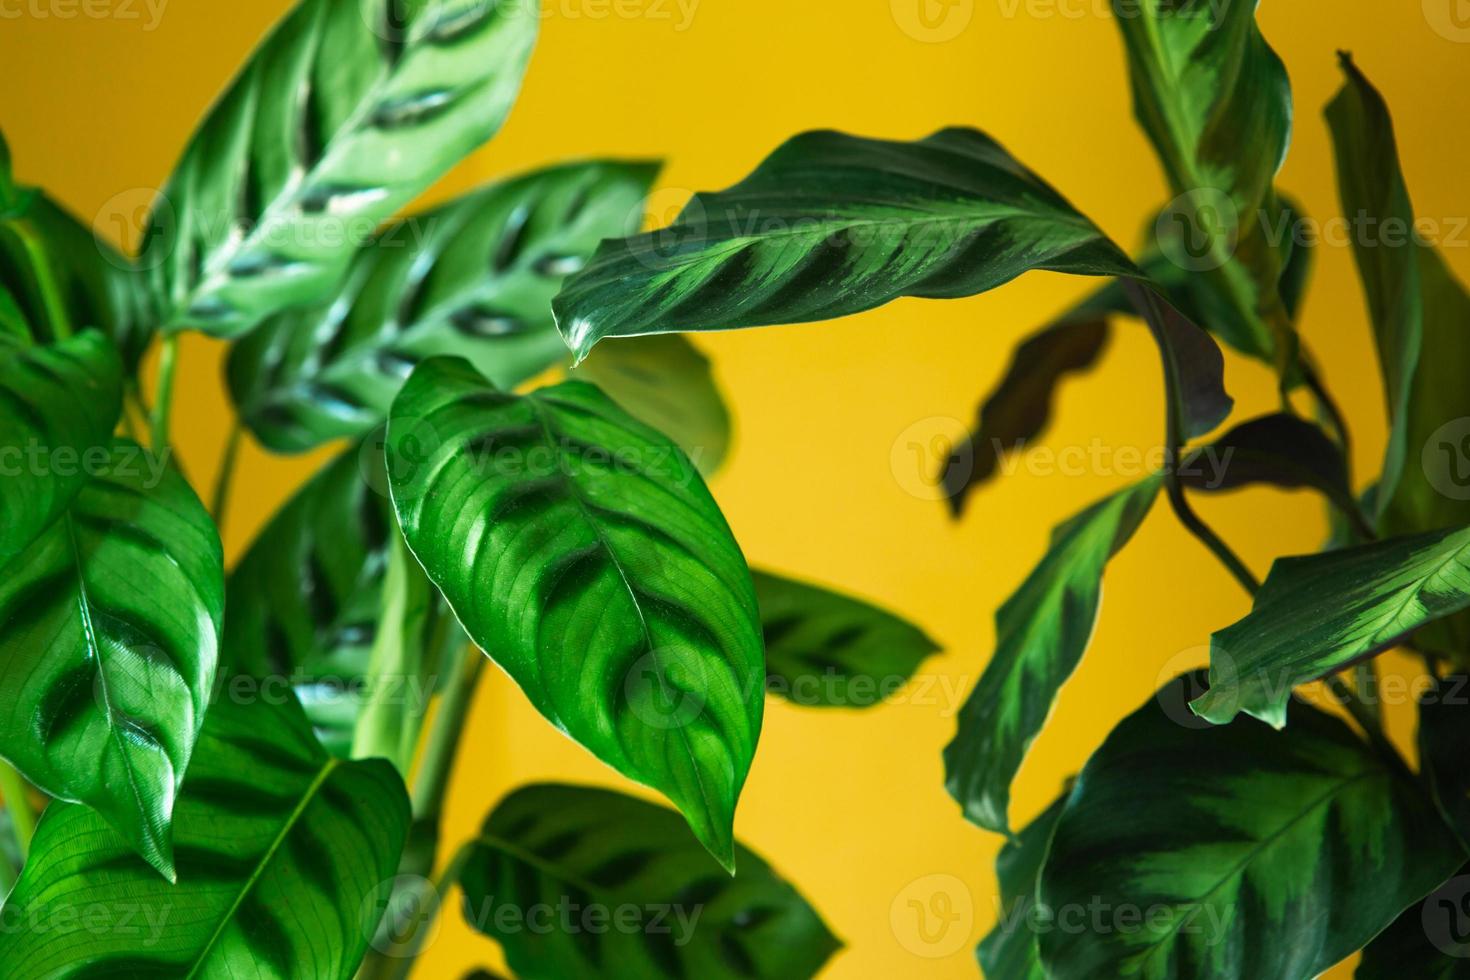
(1009, 951)
(58, 406)
(832, 224)
(582, 552)
(284, 857)
(1316, 614)
(109, 646)
(1041, 633)
(665, 382)
(344, 114)
(826, 649)
(1239, 852)
(665, 909)
(472, 278)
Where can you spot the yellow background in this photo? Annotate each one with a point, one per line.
(823, 480)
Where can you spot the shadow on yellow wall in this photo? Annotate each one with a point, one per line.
(830, 475)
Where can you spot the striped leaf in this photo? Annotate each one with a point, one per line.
(305, 601)
(109, 635)
(832, 224)
(1235, 852)
(581, 551)
(344, 114)
(665, 382)
(285, 855)
(1041, 633)
(1215, 101)
(826, 649)
(1009, 951)
(472, 278)
(1318, 613)
(58, 406)
(644, 901)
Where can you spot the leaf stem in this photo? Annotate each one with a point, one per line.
(1209, 538)
(22, 818)
(398, 959)
(1366, 717)
(30, 241)
(226, 476)
(431, 781)
(163, 395)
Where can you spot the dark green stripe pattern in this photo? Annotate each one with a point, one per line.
(1235, 852)
(344, 114)
(109, 640)
(583, 553)
(473, 278)
(578, 883)
(1009, 951)
(58, 406)
(832, 224)
(286, 857)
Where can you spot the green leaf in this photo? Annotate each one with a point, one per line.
(58, 406)
(1215, 102)
(1194, 368)
(825, 649)
(472, 278)
(665, 382)
(1009, 951)
(283, 856)
(1416, 306)
(109, 647)
(1429, 941)
(1316, 614)
(581, 550)
(1280, 449)
(1041, 633)
(832, 224)
(1444, 744)
(305, 602)
(1237, 852)
(645, 902)
(343, 115)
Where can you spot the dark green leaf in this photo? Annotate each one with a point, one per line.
(582, 551)
(306, 600)
(1317, 614)
(58, 406)
(1194, 368)
(473, 278)
(1280, 449)
(109, 647)
(665, 382)
(832, 224)
(1041, 633)
(1188, 850)
(1430, 941)
(284, 857)
(1215, 101)
(1444, 745)
(1009, 951)
(344, 114)
(629, 896)
(826, 649)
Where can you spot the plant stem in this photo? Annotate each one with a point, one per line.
(432, 779)
(30, 241)
(163, 396)
(226, 475)
(1366, 717)
(397, 961)
(22, 818)
(1209, 538)
(397, 656)
(1329, 407)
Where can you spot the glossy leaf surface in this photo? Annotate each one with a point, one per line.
(109, 645)
(472, 278)
(1316, 614)
(665, 909)
(344, 114)
(832, 224)
(1234, 852)
(826, 649)
(283, 856)
(582, 552)
(1041, 633)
